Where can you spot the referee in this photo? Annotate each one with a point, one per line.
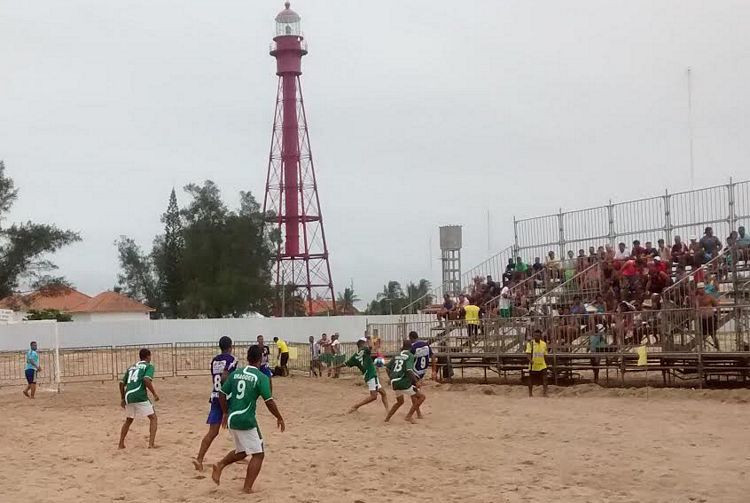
(283, 356)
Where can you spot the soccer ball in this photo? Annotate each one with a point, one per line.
(379, 362)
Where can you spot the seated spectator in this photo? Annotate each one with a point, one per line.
(577, 307)
(463, 301)
(522, 270)
(664, 252)
(710, 245)
(593, 255)
(651, 252)
(694, 253)
(743, 245)
(622, 252)
(582, 262)
(505, 302)
(712, 287)
(637, 250)
(679, 252)
(447, 309)
(660, 264)
(537, 266)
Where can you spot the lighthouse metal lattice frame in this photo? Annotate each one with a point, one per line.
(291, 202)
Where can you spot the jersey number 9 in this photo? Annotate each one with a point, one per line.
(241, 390)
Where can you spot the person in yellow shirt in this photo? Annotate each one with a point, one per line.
(471, 315)
(283, 356)
(537, 351)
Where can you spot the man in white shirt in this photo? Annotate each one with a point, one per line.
(622, 252)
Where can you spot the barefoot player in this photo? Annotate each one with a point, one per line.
(222, 365)
(32, 369)
(422, 354)
(135, 382)
(362, 359)
(237, 398)
(404, 382)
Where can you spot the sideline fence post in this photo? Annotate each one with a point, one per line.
(57, 357)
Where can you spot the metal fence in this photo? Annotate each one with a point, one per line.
(723, 207)
(106, 363)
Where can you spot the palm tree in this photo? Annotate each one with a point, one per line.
(345, 301)
(419, 292)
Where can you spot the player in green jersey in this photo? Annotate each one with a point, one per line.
(135, 382)
(362, 359)
(238, 395)
(404, 381)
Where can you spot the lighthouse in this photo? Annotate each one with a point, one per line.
(291, 203)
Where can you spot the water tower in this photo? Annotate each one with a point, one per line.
(450, 258)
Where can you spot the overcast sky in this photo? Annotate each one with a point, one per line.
(421, 113)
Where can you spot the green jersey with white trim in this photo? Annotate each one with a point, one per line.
(242, 388)
(135, 388)
(401, 369)
(362, 359)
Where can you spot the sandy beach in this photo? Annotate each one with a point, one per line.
(477, 443)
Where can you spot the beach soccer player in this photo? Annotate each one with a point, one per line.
(283, 356)
(222, 365)
(422, 355)
(134, 398)
(238, 397)
(265, 355)
(536, 350)
(404, 382)
(362, 359)
(316, 368)
(31, 370)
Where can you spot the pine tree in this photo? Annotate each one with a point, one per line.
(169, 260)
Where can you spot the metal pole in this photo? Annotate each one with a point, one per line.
(690, 126)
(667, 218)
(283, 292)
(57, 357)
(611, 216)
(562, 235)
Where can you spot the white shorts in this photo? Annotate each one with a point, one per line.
(139, 409)
(373, 384)
(411, 390)
(247, 441)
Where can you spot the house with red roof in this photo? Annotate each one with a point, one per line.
(107, 306)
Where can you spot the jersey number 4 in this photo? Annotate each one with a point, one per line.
(133, 375)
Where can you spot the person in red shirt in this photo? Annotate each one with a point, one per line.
(637, 250)
(660, 264)
(679, 252)
(657, 280)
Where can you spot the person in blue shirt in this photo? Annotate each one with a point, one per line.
(32, 367)
(422, 353)
(222, 365)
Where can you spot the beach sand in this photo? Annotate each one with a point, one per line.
(477, 443)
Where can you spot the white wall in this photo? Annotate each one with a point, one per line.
(107, 333)
(99, 317)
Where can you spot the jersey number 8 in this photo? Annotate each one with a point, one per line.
(217, 382)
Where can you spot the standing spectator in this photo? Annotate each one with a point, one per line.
(743, 244)
(336, 353)
(657, 280)
(710, 245)
(569, 266)
(664, 252)
(680, 252)
(32, 369)
(505, 302)
(609, 252)
(592, 254)
(471, 314)
(510, 269)
(622, 252)
(316, 369)
(706, 306)
(463, 301)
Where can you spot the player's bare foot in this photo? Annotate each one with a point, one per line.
(121, 446)
(216, 474)
(152, 446)
(410, 419)
(246, 490)
(198, 465)
(352, 410)
(419, 415)
(26, 394)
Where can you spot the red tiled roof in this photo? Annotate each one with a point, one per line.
(63, 299)
(322, 306)
(112, 302)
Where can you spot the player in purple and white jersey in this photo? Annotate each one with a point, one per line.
(422, 354)
(222, 365)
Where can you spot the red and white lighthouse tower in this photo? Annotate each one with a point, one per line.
(291, 188)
